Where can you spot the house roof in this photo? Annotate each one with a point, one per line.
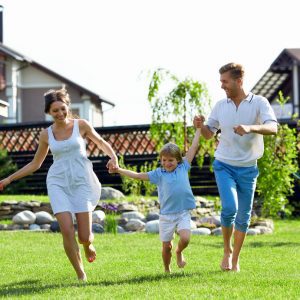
(20, 57)
(278, 73)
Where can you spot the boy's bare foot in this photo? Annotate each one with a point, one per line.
(90, 252)
(168, 271)
(180, 260)
(226, 263)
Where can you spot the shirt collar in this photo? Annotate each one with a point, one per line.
(248, 98)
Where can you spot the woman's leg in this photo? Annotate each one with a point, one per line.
(85, 235)
(70, 245)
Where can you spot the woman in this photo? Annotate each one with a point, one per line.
(73, 187)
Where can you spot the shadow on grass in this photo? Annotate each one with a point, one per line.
(259, 244)
(27, 287)
(272, 244)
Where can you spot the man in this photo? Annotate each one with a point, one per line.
(243, 120)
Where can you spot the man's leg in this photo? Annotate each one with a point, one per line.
(225, 179)
(246, 184)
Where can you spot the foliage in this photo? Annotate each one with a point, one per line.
(134, 186)
(174, 109)
(110, 223)
(6, 168)
(276, 168)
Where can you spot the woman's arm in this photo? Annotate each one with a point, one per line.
(87, 130)
(34, 165)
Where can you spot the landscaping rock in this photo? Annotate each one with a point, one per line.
(110, 193)
(42, 217)
(201, 231)
(135, 225)
(98, 216)
(152, 226)
(24, 217)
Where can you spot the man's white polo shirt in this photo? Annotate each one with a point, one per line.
(234, 149)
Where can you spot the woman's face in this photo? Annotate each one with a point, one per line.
(58, 111)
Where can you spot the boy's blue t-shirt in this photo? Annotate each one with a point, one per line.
(174, 189)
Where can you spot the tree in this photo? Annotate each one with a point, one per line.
(174, 103)
(275, 182)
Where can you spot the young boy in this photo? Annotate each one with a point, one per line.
(175, 197)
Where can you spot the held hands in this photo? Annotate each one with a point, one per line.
(242, 129)
(112, 166)
(199, 121)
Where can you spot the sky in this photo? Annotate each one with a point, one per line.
(111, 47)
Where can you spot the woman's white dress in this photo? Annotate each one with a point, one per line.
(71, 182)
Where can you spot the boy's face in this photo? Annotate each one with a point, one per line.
(169, 163)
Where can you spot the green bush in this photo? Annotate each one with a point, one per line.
(137, 187)
(275, 182)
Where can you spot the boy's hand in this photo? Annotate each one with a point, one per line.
(199, 121)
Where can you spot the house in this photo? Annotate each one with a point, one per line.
(23, 83)
(283, 75)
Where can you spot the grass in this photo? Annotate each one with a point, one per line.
(39, 198)
(129, 266)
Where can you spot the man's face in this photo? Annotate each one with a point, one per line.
(229, 85)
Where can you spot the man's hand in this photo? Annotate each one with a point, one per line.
(242, 129)
(199, 121)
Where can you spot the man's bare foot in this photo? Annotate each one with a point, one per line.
(82, 278)
(180, 260)
(90, 252)
(235, 267)
(226, 264)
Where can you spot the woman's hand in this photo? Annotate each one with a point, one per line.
(3, 183)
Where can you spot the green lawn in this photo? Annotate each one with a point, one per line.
(129, 266)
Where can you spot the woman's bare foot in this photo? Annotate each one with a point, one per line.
(236, 268)
(226, 263)
(90, 252)
(180, 260)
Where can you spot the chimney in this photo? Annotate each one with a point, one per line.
(1, 24)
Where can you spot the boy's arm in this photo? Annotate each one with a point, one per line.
(194, 147)
(129, 173)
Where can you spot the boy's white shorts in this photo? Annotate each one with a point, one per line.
(170, 222)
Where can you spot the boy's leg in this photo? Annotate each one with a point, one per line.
(225, 178)
(184, 231)
(166, 232)
(167, 255)
(70, 245)
(85, 235)
(184, 240)
(246, 184)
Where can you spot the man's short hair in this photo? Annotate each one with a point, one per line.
(236, 70)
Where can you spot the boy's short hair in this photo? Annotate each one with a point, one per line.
(236, 70)
(171, 149)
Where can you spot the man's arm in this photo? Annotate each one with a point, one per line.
(265, 129)
(205, 131)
